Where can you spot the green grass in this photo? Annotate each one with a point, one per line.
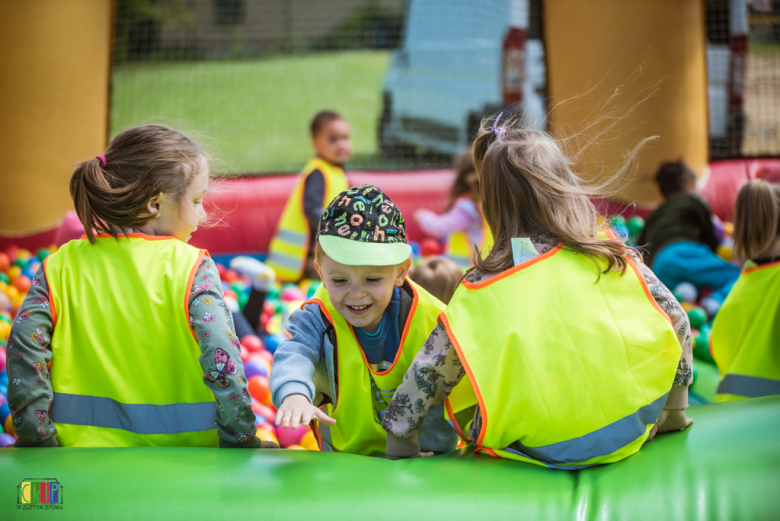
(254, 115)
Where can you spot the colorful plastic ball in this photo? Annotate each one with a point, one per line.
(620, 229)
(11, 251)
(2, 359)
(309, 441)
(8, 424)
(697, 317)
(725, 252)
(245, 355)
(292, 295)
(266, 411)
(256, 367)
(295, 447)
(686, 292)
(291, 436)
(5, 412)
(13, 273)
(5, 262)
(266, 435)
(229, 293)
(4, 278)
(259, 387)
(252, 343)
(617, 219)
(272, 342)
(701, 347)
(430, 246)
(267, 356)
(635, 225)
(6, 440)
(42, 254)
(22, 283)
(230, 276)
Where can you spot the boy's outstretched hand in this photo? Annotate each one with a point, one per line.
(297, 409)
(670, 420)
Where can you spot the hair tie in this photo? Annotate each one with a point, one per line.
(498, 131)
(102, 159)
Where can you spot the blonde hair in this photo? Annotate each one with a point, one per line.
(439, 276)
(528, 189)
(756, 218)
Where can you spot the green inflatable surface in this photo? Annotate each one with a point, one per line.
(725, 466)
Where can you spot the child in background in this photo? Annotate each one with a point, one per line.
(745, 337)
(352, 343)
(146, 353)
(680, 239)
(569, 345)
(291, 254)
(438, 276)
(463, 224)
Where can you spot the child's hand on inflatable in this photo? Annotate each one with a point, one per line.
(670, 420)
(297, 409)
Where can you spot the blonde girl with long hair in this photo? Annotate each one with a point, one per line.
(745, 338)
(560, 347)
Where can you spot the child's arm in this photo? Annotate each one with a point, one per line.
(212, 322)
(295, 362)
(463, 214)
(673, 417)
(435, 371)
(28, 353)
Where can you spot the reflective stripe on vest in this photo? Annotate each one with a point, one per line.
(140, 418)
(290, 246)
(125, 369)
(567, 372)
(460, 248)
(745, 340)
(359, 411)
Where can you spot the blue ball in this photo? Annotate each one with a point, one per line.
(3, 378)
(272, 342)
(5, 411)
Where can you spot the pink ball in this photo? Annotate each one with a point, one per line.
(292, 294)
(2, 359)
(289, 436)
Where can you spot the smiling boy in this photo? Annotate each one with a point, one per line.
(352, 343)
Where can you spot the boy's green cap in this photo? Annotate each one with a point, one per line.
(363, 227)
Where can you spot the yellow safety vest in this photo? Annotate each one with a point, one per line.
(745, 341)
(290, 246)
(567, 372)
(125, 369)
(461, 249)
(363, 394)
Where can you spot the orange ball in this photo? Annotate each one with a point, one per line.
(5, 262)
(22, 283)
(9, 426)
(259, 387)
(14, 272)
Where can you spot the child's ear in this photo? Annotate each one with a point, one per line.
(403, 269)
(319, 271)
(153, 206)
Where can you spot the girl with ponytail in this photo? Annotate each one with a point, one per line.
(124, 338)
(560, 347)
(745, 341)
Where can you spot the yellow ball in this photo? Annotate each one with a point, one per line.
(5, 330)
(687, 306)
(266, 435)
(725, 252)
(295, 447)
(12, 292)
(309, 441)
(23, 254)
(9, 426)
(14, 273)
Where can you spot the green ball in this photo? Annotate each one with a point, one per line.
(618, 219)
(635, 225)
(701, 349)
(698, 317)
(242, 298)
(21, 263)
(239, 288)
(695, 373)
(678, 297)
(3, 277)
(42, 254)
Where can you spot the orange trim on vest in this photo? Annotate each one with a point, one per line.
(51, 297)
(188, 292)
(455, 423)
(763, 266)
(472, 379)
(513, 270)
(647, 290)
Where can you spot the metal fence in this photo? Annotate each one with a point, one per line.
(413, 77)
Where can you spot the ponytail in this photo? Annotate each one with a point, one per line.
(756, 218)
(111, 192)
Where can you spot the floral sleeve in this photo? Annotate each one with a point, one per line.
(435, 371)
(678, 397)
(28, 355)
(220, 360)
